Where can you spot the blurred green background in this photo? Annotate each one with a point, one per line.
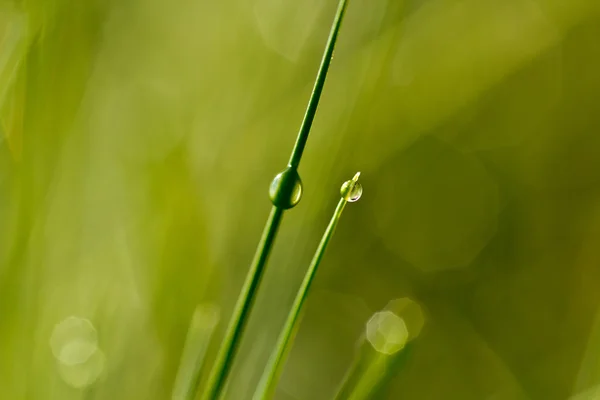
(140, 137)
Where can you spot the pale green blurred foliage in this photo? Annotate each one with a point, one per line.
(140, 137)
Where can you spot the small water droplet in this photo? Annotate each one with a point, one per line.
(286, 189)
(351, 191)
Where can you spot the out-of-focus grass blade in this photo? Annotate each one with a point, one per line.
(13, 45)
(285, 192)
(351, 191)
(202, 326)
(13, 26)
(589, 372)
(367, 377)
(11, 116)
(590, 394)
(383, 350)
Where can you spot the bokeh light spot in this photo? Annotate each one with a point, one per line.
(387, 332)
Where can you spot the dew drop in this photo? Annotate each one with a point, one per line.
(351, 191)
(286, 189)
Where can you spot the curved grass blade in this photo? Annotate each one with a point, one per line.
(383, 350)
(222, 366)
(370, 372)
(351, 192)
(202, 327)
(14, 42)
(285, 193)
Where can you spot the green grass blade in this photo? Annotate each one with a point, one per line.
(367, 377)
(351, 191)
(285, 193)
(202, 327)
(383, 350)
(313, 103)
(237, 324)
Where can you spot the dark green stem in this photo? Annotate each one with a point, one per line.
(242, 308)
(245, 301)
(269, 379)
(311, 109)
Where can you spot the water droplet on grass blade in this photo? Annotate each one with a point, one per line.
(286, 189)
(352, 190)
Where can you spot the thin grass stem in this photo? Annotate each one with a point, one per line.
(270, 377)
(285, 193)
(370, 372)
(313, 102)
(237, 323)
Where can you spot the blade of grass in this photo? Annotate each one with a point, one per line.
(285, 193)
(383, 350)
(14, 43)
(313, 102)
(351, 191)
(370, 371)
(222, 366)
(202, 326)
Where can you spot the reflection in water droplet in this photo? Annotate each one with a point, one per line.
(387, 332)
(286, 189)
(351, 191)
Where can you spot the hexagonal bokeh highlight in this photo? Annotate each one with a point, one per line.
(74, 344)
(389, 330)
(411, 313)
(73, 340)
